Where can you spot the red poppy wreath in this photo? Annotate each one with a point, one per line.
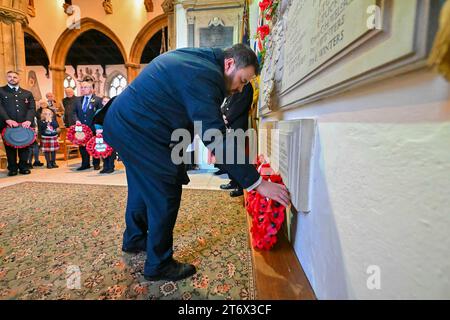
(98, 148)
(79, 134)
(267, 215)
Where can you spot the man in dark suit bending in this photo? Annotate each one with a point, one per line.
(175, 90)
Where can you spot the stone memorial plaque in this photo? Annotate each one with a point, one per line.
(216, 37)
(320, 29)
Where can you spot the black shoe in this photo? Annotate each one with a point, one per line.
(54, 165)
(12, 173)
(25, 171)
(107, 171)
(133, 250)
(237, 193)
(30, 166)
(174, 271)
(219, 173)
(49, 166)
(83, 168)
(227, 186)
(96, 167)
(37, 164)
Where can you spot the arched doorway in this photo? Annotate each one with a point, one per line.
(37, 63)
(66, 41)
(155, 46)
(95, 55)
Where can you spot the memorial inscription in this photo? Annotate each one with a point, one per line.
(320, 29)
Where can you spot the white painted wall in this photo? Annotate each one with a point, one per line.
(381, 191)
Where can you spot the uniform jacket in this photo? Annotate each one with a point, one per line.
(18, 106)
(174, 90)
(237, 107)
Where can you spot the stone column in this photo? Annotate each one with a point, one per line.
(13, 16)
(168, 8)
(132, 71)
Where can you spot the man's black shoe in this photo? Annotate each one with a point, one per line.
(174, 271)
(54, 165)
(237, 193)
(96, 167)
(25, 171)
(107, 171)
(83, 168)
(37, 164)
(12, 173)
(133, 250)
(227, 186)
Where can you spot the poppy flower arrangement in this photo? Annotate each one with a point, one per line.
(79, 134)
(267, 10)
(97, 147)
(267, 215)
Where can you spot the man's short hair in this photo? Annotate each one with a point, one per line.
(90, 79)
(243, 56)
(11, 71)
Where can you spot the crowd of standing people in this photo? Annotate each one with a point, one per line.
(48, 117)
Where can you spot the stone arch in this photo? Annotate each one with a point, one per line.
(64, 43)
(31, 32)
(144, 36)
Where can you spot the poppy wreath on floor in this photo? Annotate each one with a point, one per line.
(97, 147)
(267, 215)
(79, 134)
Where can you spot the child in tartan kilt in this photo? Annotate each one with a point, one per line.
(49, 129)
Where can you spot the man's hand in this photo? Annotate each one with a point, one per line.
(12, 123)
(26, 124)
(225, 119)
(275, 192)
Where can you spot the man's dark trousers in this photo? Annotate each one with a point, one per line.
(150, 216)
(11, 154)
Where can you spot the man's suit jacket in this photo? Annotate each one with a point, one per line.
(87, 118)
(16, 105)
(68, 110)
(174, 90)
(237, 107)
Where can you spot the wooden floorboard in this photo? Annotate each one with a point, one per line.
(278, 273)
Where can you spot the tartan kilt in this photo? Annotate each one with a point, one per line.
(49, 143)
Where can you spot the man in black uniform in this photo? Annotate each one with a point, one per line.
(84, 109)
(235, 114)
(17, 107)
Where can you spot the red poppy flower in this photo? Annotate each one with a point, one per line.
(263, 31)
(264, 4)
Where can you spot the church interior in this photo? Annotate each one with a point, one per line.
(351, 111)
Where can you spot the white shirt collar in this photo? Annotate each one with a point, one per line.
(13, 87)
